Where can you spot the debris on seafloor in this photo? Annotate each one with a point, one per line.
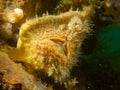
(13, 13)
(112, 9)
(51, 44)
(70, 84)
(14, 77)
(13, 16)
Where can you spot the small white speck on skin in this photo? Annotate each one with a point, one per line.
(75, 22)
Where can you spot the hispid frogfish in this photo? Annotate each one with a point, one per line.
(52, 43)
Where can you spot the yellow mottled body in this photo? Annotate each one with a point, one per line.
(52, 43)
